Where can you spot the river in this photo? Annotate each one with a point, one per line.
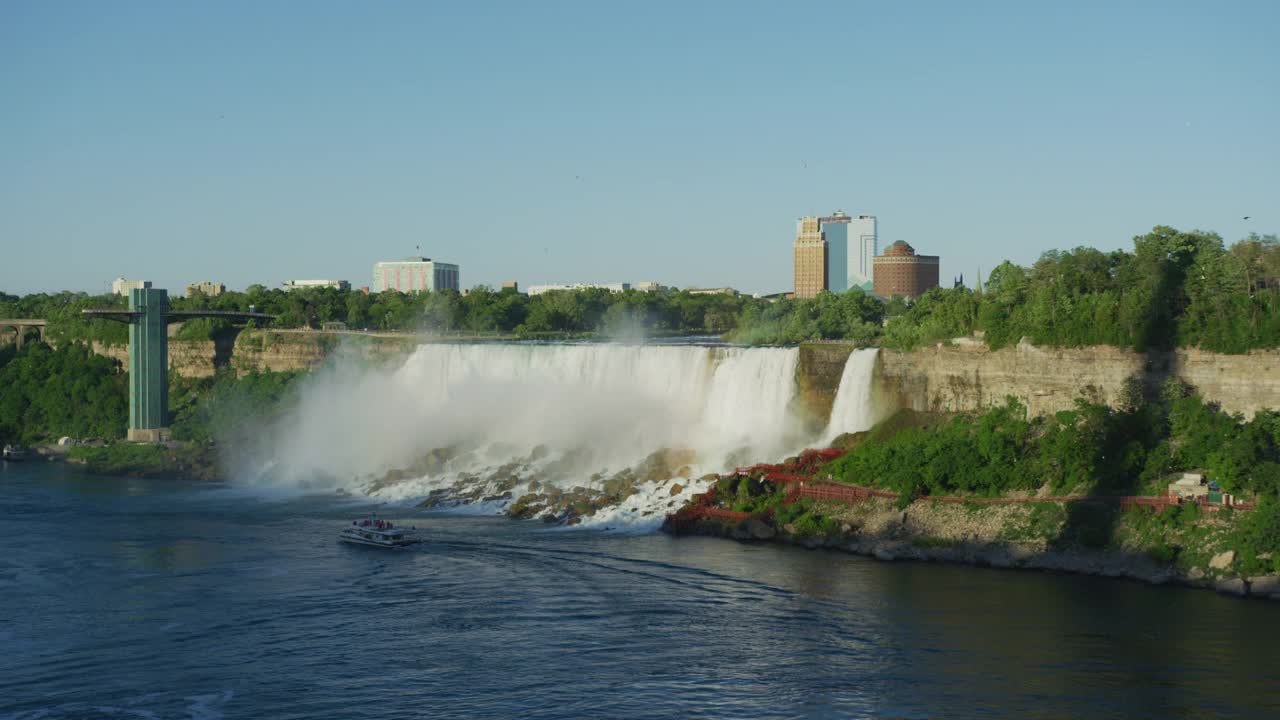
(123, 598)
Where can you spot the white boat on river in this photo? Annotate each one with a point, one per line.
(378, 533)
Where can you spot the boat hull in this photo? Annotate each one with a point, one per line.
(357, 540)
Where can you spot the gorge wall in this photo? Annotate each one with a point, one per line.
(273, 350)
(966, 375)
(960, 375)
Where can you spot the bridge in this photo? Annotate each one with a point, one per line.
(148, 317)
(20, 326)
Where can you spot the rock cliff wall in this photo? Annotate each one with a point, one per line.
(267, 350)
(966, 375)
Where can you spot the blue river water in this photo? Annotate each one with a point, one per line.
(124, 598)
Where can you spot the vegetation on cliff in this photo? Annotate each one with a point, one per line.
(1094, 451)
(1091, 450)
(1176, 289)
(47, 393)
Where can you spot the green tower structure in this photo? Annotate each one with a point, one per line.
(148, 317)
(148, 365)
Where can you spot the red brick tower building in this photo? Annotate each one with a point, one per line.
(900, 272)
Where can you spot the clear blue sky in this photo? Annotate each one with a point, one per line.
(260, 141)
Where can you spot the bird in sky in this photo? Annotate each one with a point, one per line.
(1246, 217)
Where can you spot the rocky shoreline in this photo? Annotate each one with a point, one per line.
(917, 534)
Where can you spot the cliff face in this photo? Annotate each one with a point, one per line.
(969, 376)
(818, 374)
(267, 350)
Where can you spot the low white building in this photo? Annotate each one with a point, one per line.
(299, 284)
(120, 286)
(611, 287)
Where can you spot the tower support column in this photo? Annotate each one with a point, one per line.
(148, 365)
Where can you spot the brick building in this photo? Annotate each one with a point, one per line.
(901, 272)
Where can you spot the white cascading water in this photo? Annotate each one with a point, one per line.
(595, 409)
(854, 409)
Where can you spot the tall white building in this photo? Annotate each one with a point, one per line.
(851, 244)
(415, 274)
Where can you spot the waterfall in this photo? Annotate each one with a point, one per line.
(854, 409)
(565, 415)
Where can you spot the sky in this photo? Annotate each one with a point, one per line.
(678, 142)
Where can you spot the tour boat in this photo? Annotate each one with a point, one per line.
(378, 533)
(13, 453)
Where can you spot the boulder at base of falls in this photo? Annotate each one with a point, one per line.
(527, 506)
(676, 489)
(753, 529)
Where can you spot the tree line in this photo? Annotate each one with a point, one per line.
(1175, 289)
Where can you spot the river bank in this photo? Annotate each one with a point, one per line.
(1029, 537)
(172, 460)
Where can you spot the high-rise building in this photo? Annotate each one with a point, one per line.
(809, 258)
(415, 274)
(835, 231)
(851, 245)
(863, 235)
(901, 272)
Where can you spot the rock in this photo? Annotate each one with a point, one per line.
(1234, 586)
(1222, 560)
(758, 529)
(1265, 586)
(885, 554)
(676, 489)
